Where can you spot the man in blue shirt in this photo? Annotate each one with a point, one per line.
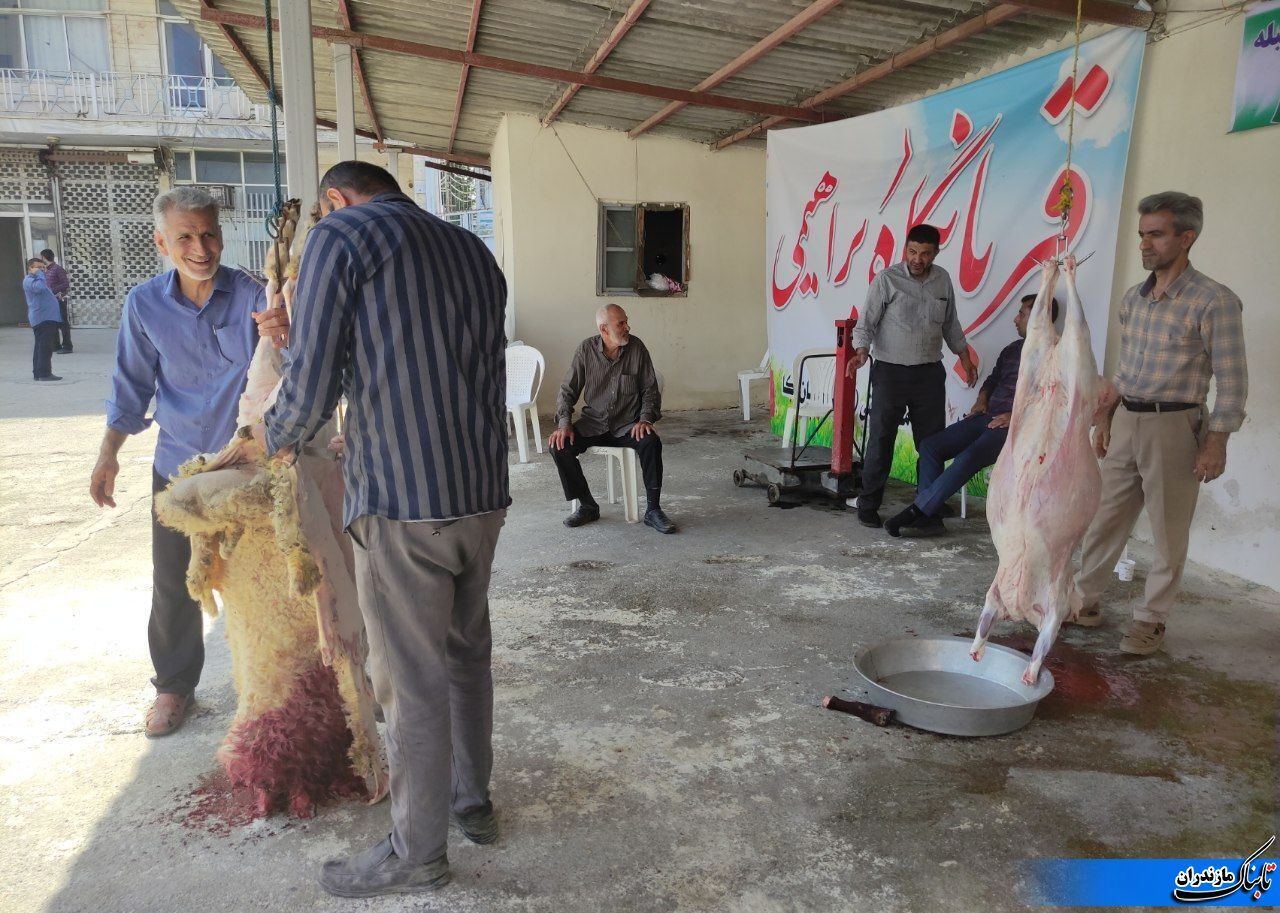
(972, 444)
(44, 317)
(186, 338)
(403, 313)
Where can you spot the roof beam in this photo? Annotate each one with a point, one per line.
(1101, 11)
(238, 46)
(522, 68)
(966, 29)
(247, 59)
(344, 20)
(805, 17)
(466, 68)
(624, 25)
(480, 161)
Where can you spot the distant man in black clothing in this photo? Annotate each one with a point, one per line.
(614, 375)
(973, 443)
(60, 285)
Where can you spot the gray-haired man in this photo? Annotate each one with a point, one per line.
(186, 338)
(1178, 328)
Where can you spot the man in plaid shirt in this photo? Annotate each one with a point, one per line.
(1177, 329)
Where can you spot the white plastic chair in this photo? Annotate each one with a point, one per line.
(525, 367)
(815, 391)
(628, 490)
(744, 383)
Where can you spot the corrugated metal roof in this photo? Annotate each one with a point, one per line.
(675, 43)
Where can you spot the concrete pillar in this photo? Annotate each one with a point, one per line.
(297, 71)
(393, 163)
(344, 91)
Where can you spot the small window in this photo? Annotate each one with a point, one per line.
(218, 167)
(643, 249)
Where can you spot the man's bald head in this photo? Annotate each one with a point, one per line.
(611, 321)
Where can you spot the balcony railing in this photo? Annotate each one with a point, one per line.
(127, 96)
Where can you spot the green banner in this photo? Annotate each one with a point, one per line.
(1257, 95)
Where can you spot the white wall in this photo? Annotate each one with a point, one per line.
(547, 188)
(1180, 143)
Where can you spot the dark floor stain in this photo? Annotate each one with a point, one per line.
(733, 559)
(589, 565)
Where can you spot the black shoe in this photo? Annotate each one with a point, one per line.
(909, 517)
(658, 520)
(927, 526)
(479, 826)
(946, 511)
(869, 516)
(583, 515)
(49, 377)
(62, 351)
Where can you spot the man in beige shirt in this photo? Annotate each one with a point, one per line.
(1177, 329)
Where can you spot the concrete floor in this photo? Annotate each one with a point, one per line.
(659, 740)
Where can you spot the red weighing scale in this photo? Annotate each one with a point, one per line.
(804, 469)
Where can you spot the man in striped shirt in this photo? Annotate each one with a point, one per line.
(403, 313)
(1177, 329)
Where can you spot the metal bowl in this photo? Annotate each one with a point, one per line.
(932, 683)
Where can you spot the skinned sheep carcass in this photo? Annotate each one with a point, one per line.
(1046, 485)
(267, 536)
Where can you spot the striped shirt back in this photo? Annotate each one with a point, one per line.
(403, 313)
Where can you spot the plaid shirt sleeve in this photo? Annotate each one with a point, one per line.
(1222, 328)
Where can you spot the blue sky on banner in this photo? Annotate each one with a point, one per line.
(984, 158)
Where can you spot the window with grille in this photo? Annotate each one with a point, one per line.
(643, 249)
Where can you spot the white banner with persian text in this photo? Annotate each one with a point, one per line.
(983, 162)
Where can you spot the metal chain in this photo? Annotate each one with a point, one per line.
(1067, 195)
(276, 217)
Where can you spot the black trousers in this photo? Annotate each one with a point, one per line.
(176, 630)
(42, 357)
(897, 390)
(64, 328)
(648, 449)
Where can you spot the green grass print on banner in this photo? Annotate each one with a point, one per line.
(904, 448)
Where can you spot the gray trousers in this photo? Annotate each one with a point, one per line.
(424, 594)
(175, 631)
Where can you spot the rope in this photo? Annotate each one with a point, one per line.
(276, 217)
(1067, 195)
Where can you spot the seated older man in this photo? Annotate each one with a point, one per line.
(972, 444)
(614, 375)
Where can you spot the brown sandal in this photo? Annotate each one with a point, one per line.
(167, 714)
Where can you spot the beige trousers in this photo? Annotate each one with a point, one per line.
(1150, 464)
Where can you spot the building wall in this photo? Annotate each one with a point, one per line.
(548, 185)
(135, 36)
(1180, 143)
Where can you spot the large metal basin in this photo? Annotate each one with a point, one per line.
(933, 684)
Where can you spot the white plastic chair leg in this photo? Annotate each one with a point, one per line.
(964, 502)
(630, 485)
(788, 427)
(537, 429)
(802, 429)
(745, 386)
(522, 436)
(608, 471)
